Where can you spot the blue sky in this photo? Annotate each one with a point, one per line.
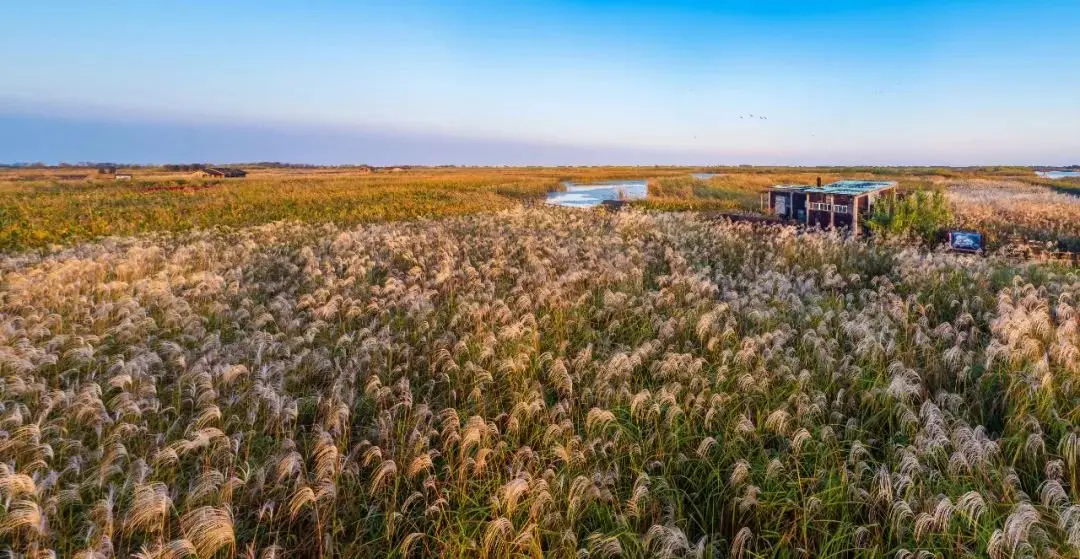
(471, 82)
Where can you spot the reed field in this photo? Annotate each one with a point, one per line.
(536, 382)
(365, 368)
(1008, 209)
(40, 208)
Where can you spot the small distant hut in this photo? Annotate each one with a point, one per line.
(122, 177)
(221, 173)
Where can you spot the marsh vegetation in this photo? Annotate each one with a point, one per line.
(40, 209)
(535, 382)
(530, 381)
(1010, 210)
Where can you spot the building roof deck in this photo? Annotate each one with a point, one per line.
(849, 187)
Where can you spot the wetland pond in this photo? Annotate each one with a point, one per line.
(1057, 174)
(588, 195)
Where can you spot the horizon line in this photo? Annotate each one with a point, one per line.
(54, 136)
(298, 165)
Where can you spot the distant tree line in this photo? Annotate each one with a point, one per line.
(167, 167)
(280, 165)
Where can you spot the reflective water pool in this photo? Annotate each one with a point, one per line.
(594, 194)
(1057, 174)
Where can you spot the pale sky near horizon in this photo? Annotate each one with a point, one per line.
(560, 82)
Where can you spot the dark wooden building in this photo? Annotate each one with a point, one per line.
(835, 205)
(221, 173)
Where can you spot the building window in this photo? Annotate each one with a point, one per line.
(838, 208)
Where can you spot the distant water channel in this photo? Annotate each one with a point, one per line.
(1057, 174)
(594, 194)
(704, 176)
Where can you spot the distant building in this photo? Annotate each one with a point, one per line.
(106, 170)
(121, 177)
(835, 205)
(221, 173)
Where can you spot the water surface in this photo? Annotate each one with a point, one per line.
(704, 176)
(594, 194)
(1057, 174)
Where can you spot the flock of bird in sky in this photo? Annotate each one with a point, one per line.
(747, 117)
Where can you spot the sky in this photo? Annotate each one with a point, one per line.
(528, 82)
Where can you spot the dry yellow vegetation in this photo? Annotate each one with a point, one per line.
(535, 382)
(39, 208)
